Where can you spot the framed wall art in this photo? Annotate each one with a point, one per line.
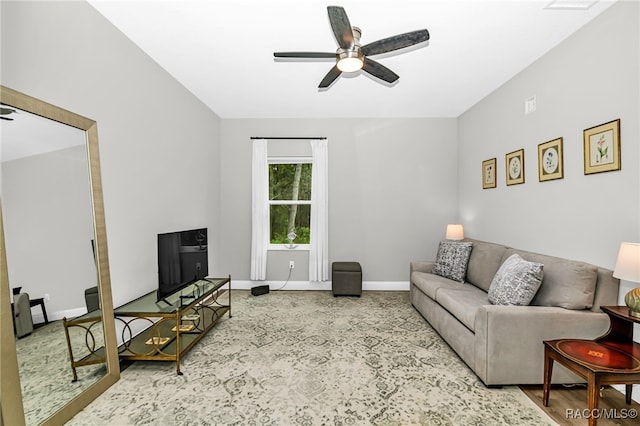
(514, 162)
(489, 173)
(550, 160)
(602, 148)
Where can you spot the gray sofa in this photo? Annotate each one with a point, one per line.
(502, 344)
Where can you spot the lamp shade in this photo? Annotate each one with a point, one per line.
(454, 232)
(628, 263)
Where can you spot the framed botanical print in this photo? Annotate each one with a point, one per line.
(514, 162)
(602, 148)
(550, 160)
(489, 173)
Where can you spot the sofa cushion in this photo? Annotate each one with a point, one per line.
(429, 283)
(484, 262)
(452, 259)
(463, 302)
(516, 282)
(566, 284)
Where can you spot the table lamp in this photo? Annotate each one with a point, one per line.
(628, 269)
(454, 232)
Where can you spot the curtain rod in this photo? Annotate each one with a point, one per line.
(286, 137)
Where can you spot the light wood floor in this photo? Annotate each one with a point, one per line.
(564, 399)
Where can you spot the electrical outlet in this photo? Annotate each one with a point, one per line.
(292, 264)
(46, 296)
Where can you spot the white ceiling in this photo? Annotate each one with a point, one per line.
(222, 51)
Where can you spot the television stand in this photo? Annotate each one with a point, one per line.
(169, 332)
(92, 352)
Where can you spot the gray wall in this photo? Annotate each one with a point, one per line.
(392, 190)
(589, 79)
(159, 145)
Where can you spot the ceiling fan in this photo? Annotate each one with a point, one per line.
(351, 56)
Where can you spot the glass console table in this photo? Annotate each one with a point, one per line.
(166, 329)
(92, 351)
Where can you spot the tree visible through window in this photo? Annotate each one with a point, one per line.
(290, 200)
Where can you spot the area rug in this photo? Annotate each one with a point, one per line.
(307, 358)
(46, 378)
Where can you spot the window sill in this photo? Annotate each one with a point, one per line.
(285, 247)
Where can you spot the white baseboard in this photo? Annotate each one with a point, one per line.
(326, 285)
(385, 285)
(54, 316)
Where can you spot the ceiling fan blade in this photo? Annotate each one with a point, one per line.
(6, 111)
(6, 118)
(330, 77)
(378, 70)
(396, 42)
(340, 26)
(304, 55)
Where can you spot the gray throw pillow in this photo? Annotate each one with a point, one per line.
(516, 282)
(451, 261)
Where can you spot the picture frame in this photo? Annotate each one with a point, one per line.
(514, 167)
(489, 173)
(602, 148)
(550, 160)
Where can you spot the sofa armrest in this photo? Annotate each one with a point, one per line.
(509, 339)
(420, 266)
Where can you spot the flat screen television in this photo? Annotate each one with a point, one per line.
(182, 260)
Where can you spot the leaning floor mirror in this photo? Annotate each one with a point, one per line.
(57, 332)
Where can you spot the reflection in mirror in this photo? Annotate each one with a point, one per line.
(54, 261)
(48, 227)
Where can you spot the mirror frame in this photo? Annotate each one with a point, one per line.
(11, 406)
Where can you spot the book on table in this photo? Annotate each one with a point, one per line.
(190, 317)
(157, 340)
(183, 328)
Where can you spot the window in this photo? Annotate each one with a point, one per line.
(290, 200)
(305, 211)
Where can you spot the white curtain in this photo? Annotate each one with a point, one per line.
(319, 238)
(260, 210)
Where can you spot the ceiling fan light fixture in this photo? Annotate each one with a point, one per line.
(350, 60)
(350, 64)
(351, 56)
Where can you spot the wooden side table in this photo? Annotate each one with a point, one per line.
(40, 301)
(613, 358)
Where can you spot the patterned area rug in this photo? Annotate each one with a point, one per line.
(307, 358)
(45, 370)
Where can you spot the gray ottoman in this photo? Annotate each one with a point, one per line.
(346, 279)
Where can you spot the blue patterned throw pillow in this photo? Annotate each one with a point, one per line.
(452, 259)
(516, 282)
